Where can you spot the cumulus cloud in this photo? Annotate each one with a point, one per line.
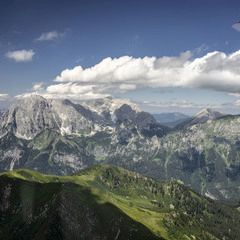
(189, 107)
(183, 104)
(65, 91)
(215, 70)
(49, 36)
(173, 103)
(236, 26)
(37, 87)
(74, 91)
(3, 96)
(21, 55)
(127, 87)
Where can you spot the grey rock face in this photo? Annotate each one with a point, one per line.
(205, 115)
(201, 117)
(58, 136)
(28, 117)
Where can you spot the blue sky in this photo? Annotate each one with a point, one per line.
(86, 32)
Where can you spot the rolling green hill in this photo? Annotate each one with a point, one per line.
(106, 202)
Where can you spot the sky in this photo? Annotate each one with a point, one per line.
(166, 55)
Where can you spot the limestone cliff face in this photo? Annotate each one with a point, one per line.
(31, 115)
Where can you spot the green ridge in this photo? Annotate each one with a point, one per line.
(106, 202)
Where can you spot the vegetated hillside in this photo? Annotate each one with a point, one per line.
(106, 202)
(204, 156)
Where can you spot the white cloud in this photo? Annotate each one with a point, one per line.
(201, 49)
(21, 55)
(127, 87)
(236, 26)
(179, 104)
(74, 91)
(3, 96)
(65, 91)
(37, 87)
(49, 36)
(215, 70)
(237, 95)
(172, 103)
(237, 102)
(186, 105)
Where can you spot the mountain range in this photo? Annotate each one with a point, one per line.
(105, 202)
(61, 137)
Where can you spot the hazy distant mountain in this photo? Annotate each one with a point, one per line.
(108, 203)
(201, 117)
(171, 119)
(61, 137)
(207, 114)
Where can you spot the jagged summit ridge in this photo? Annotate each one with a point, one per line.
(203, 116)
(209, 114)
(109, 105)
(30, 115)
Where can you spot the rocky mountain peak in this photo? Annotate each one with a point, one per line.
(32, 114)
(209, 113)
(206, 114)
(109, 104)
(27, 117)
(202, 116)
